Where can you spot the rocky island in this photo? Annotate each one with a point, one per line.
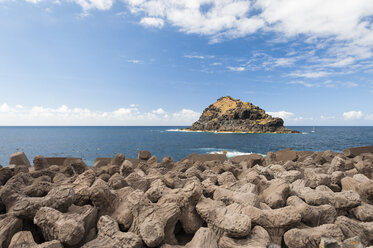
(232, 115)
(293, 199)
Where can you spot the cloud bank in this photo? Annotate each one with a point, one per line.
(63, 115)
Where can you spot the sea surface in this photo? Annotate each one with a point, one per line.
(91, 142)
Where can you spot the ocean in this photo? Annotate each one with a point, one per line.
(91, 142)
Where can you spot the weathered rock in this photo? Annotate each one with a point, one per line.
(9, 225)
(69, 228)
(364, 212)
(5, 175)
(119, 159)
(204, 238)
(311, 237)
(82, 186)
(229, 219)
(352, 228)
(273, 218)
(258, 238)
(40, 163)
(286, 155)
(276, 193)
(25, 239)
(206, 157)
(109, 236)
(313, 215)
(144, 155)
(117, 181)
(355, 151)
(228, 197)
(19, 158)
(137, 182)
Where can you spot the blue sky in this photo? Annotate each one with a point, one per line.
(161, 62)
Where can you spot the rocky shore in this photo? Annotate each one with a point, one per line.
(288, 198)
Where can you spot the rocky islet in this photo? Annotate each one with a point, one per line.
(228, 114)
(286, 199)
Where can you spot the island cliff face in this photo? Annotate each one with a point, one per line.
(232, 115)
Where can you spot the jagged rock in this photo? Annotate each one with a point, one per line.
(311, 237)
(228, 219)
(110, 236)
(229, 114)
(126, 168)
(258, 238)
(102, 197)
(117, 181)
(25, 239)
(82, 186)
(137, 182)
(313, 179)
(9, 225)
(69, 228)
(206, 157)
(19, 158)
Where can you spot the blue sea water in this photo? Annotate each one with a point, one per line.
(91, 142)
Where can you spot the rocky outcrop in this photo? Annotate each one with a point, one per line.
(232, 115)
(285, 199)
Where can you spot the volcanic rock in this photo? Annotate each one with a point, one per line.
(232, 115)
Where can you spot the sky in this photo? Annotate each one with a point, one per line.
(162, 62)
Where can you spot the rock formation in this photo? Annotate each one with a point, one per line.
(286, 199)
(232, 115)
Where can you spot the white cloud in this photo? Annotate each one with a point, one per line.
(63, 115)
(238, 68)
(352, 115)
(194, 56)
(309, 74)
(281, 114)
(159, 111)
(152, 22)
(306, 84)
(135, 61)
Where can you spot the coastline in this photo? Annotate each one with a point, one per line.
(323, 192)
(238, 132)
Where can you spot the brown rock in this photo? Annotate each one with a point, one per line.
(144, 155)
(9, 225)
(311, 237)
(355, 151)
(25, 239)
(258, 238)
(40, 163)
(110, 236)
(19, 158)
(286, 155)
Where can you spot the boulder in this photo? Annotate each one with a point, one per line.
(286, 155)
(19, 158)
(206, 157)
(355, 151)
(352, 228)
(25, 239)
(313, 215)
(69, 228)
(228, 219)
(258, 238)
(144, 155)
(110, 236)
(276, 193)
(364, 212)
(311, 237)
(40, 163)
(9, 225)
